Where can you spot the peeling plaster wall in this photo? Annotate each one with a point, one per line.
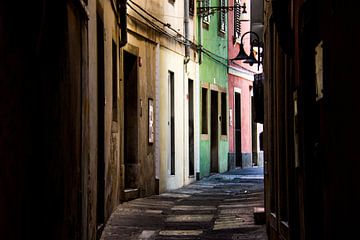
(112, 127)
(142, 39)
(111, 136)
(90, 172)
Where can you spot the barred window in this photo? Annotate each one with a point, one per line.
(237, 14)
(222, 18)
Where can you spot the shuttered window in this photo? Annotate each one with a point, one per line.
(222, 19)
(237, 13)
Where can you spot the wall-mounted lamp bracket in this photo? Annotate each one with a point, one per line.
(250, 59)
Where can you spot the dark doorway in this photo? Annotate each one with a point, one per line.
(238, 129)
(101, 128)
(130, 121)
(172, 121)
(214, 164)
(191, 127)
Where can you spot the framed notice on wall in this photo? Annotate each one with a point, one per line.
(151, 121)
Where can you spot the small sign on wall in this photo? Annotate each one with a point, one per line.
(151, 121)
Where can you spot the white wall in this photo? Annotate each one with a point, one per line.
(171, 61)
(191, 72)
(169, 56)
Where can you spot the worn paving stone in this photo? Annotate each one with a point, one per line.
(146, 234)
(193, 208)
(175, 195)
(180, 232)
(219, 207)
(189, 218)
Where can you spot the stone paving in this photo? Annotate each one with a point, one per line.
(219, 207)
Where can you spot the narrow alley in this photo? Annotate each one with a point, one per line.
(179, 119)
(218, 207)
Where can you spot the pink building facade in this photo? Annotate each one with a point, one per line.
(240, 84)
(240, 127)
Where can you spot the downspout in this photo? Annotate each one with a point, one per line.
(123, 23)
(185, 89)
(199, 23)
(199, 48)
(186, 31)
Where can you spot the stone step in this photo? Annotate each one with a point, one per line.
(259, 215)
(131, 193)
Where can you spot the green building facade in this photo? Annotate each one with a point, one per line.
(213, 50)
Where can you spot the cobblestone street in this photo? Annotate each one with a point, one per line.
(217, 207)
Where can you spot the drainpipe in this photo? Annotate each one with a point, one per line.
(185, 89)
(123, 23)
(199, 27)
(186, 31)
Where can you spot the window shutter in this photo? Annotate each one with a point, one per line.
(237, 13)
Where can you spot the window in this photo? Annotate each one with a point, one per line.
(223, 114)
(191, 7)
(206, 3)
(204, 121)
(222, 18)
(237, 14)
